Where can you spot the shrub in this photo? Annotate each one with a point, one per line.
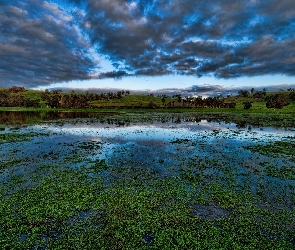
(276, 101)
(243, 93)
(259, 94)
(152, 105)
(247, 105)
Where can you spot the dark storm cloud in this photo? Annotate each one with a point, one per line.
(267, 55)
(39, 45)
(196, 90)
(42, 42)
(226, 38)
(153, 72)
(114, 74)
(77, 1)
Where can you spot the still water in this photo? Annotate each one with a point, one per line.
(165, 147)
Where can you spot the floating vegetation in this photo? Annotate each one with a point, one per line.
(17, 137)
(187, 185)
(285, 148)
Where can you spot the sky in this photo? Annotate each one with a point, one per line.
(193, 47)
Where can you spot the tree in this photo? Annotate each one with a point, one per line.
(31, 103)
(152, 105)
(15, 89)
(179, 99)
(243, 93)
(3, 99)
(259, 94)
(252, 91)
(292, 96)
(119, 94)
(276, 101)
(247, 105)
(54, 101)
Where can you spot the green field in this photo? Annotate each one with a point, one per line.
(140, 102)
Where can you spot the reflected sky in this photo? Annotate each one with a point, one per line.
(166, 149)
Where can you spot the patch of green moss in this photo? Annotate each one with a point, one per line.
(70, 210)
(17, 137)
(284, 148)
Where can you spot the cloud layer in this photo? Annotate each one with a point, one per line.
(40, 44)
(202, 90)
(43, 42)
(214, 37)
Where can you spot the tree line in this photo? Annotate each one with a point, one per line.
(55, 98)
(272, 101)
(199, 102)
(14, 97)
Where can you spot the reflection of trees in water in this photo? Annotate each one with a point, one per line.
(241, 124)
(241, 121)
(22, 117)
(18, 117)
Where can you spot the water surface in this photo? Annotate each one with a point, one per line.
(213, 175)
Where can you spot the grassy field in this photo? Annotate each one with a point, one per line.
(140, 103)
(131, 101)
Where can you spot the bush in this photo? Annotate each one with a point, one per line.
(152, 105)
(276, 101)
(247, 105)
(243, 93)
(259, 94)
